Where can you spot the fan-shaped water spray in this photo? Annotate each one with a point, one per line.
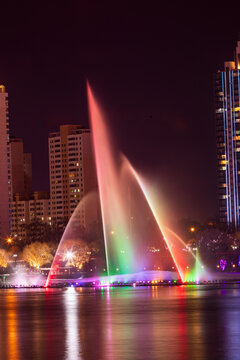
(78, 243)
(136, 237)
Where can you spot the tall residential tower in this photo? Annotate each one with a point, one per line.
(21, 169)
(228, 140)
(5, 171)
(72, 173)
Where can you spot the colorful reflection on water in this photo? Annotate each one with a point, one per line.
(180, 323)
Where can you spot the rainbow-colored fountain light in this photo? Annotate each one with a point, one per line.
(136, 238)
(197, 273)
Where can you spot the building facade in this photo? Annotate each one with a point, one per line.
(72, 173)
(5, 171)
(20, 218)
(29, 216)
(227, 101)
(21, 169)
(39, 207)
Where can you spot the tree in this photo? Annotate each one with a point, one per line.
(37, 254)
(3, 258)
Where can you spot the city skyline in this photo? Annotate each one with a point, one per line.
(119, 180)
(162, 96)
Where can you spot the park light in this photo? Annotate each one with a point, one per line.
(192, 229)
(9, 240)
(69, 255)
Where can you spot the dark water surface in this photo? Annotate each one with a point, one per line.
(123, 323)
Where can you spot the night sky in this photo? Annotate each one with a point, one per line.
(152, 69)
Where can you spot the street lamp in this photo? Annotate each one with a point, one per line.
(9, 240)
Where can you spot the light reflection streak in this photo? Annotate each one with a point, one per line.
(12, 339)
(109, 332)
(73, 348)
(232, 324)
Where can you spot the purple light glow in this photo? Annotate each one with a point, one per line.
(223, 264)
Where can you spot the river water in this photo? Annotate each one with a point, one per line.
(177, 323)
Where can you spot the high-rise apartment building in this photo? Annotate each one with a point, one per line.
(35, 212)
(27, 159)
(72, 173)
(39, 207)
(5, 171)
(20, 217)
(228, 140)
(21, 169)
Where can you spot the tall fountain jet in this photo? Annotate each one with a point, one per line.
(120, 254)
(127, 246)
(136, 237)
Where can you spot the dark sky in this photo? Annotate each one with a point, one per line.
(152, 68)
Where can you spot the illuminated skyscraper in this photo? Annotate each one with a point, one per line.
(5, 171)
(228, 140)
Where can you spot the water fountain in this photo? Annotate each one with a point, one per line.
(138, 244)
